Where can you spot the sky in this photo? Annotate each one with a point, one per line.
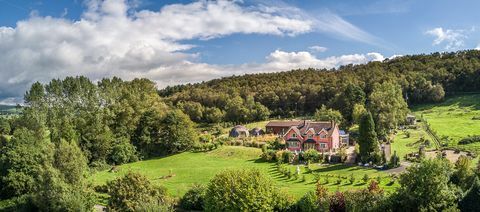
(177, 42)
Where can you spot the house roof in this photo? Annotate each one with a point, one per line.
(240, 128)
(302, 127)
(284, 123)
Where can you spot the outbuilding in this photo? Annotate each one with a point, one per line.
(239, 131)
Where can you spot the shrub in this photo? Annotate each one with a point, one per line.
(470, 139)
(311, 155)
(339, 181)
(240, 190)
(308, 202)
(337, 202)
(365, 178)
(133, 190)
(123, 152)
(194, 198)
(351, 179)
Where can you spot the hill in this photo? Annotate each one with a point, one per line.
(423, 79)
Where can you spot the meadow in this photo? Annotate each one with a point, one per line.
(455, 118)
(179, 172)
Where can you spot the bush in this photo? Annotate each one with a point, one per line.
(470, 139)
(133, 190)
(365, 178)
(351, 179)
(308, 202)
(240, 190)
(194, 198)
(311, 155)
(123, 152)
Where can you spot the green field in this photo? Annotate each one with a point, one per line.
(454, 118)
(404, 145)
(189, 168)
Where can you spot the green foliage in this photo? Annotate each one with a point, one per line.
(55, 194)
(194, 198)
(240, 190)
(122, 152)
(470, 139)
(177, 132)
(463, 174)
(324, 114)
(367, 138)
(70, 162)
(311, 155)
(350, 102)
(425, 186)
(22, 160)
(387, 106)
(133, 190)
(470, 202)
(358, 111)
(308, 203)
(4, 126)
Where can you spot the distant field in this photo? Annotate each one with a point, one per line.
(454, 118)
(189, 168)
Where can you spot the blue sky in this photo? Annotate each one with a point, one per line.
(174, 42)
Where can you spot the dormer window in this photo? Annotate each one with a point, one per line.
(323, 135)
(294, 135)
(310, 136)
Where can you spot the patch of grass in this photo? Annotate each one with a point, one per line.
(454, 118)
(404, 145)
(189, 168)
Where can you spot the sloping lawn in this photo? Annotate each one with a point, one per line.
(188, 168)
(404, 145)
(454, 118)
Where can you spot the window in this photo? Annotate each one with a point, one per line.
(323, 145)
(293, 144)
(323, 135)
(307, 146)
(310, 136)
(294, 135)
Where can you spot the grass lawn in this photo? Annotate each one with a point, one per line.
(189, 168)
(404, 145)
(453, 118)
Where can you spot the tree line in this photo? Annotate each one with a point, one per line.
(71, 127)
(419, 79)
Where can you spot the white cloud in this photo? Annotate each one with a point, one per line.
(453, 39)
(478, 47)
(318, 48)
(114, 39)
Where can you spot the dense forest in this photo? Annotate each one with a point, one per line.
(422, 78)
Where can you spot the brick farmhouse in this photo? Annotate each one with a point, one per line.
(301, 135)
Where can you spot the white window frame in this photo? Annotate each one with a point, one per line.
(323, 145)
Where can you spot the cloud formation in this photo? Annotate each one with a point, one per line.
(113, 39)
(453, 39)
(318, 48)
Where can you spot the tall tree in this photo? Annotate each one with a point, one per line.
(177, 132)
(367, 138)
(387, 106)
